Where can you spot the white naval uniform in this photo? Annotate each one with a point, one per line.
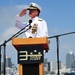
(42, 30)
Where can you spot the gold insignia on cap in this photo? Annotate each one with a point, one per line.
(31, 5)
(35, 6)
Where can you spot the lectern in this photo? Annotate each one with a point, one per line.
(31, 55)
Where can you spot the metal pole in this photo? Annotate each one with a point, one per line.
(4, 57)
(0, 59)
(57, 40)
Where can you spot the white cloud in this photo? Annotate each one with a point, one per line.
(22, 6)
(9, 32)
(7, 18)
(7, 26)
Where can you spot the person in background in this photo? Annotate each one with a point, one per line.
(38, 25)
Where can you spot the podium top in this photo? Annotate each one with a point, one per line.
(31, 41)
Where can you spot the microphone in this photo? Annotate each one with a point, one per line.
(30, 21)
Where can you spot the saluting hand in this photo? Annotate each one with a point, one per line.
(23, 12)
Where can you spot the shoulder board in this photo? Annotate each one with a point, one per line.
(40, 19)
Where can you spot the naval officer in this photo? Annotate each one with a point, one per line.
(38, 25)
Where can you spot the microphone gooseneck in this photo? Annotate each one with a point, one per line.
(30, 21)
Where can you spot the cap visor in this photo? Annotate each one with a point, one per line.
(31, 8)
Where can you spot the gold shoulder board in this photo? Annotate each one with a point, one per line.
(40, 19)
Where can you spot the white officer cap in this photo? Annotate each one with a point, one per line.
(34, 6)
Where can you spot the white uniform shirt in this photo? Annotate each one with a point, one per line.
(42, 30)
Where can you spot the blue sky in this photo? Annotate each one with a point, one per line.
(60, 18)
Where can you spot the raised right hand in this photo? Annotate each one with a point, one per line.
(23, 12)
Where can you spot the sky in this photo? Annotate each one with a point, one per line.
(60, 18)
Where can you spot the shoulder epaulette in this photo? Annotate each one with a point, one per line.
(40, 19)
